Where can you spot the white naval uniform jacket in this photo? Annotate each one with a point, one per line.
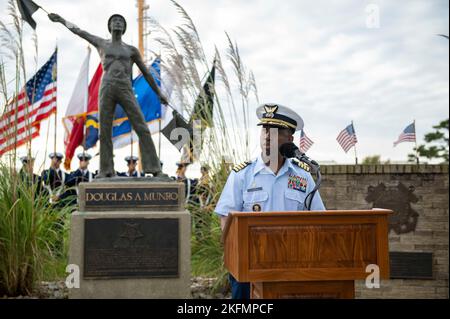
(256, 188)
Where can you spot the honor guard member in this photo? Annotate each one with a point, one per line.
(54, 179)
(131, 163)
(81, 175)
(189, 184)
(27, 175)
(204, 186)
(270, 182)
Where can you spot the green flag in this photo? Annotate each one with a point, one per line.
(203, 107)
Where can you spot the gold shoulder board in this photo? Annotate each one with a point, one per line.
(302, 165)
(240, 167)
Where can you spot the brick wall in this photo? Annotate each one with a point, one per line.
(415, 190)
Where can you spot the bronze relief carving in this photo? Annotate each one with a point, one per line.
(398, 199)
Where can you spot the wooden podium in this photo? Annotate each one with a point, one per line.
(306, 254)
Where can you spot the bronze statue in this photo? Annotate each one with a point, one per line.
(117, 59)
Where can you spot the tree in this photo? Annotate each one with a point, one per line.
(373, 160)
(437, 144)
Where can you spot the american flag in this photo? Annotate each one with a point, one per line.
(305, 142)
(408, 134)
(20, 121)
(347, 138)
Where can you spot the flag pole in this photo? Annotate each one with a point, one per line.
(131, 143)
(86, 101)
(43, 9)
(160, 108)
(159, 140)
(415, 140)
(56, 109)
(354, 147)
(56, 124)
(141, 8)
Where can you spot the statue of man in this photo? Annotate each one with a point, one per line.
(117, 59)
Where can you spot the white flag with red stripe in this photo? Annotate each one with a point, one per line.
(77, 106)
(20, 121)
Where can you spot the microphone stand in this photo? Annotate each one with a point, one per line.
(315, 169)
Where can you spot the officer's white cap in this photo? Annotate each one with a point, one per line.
(25, 159)
(129, 159)
(276, 115)
(57, 155)
(84, 156)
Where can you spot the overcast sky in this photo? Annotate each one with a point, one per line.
(331, 61)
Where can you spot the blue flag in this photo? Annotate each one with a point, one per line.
(150, 106)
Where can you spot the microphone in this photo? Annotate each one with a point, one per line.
(290, 150)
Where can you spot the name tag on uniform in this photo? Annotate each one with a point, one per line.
(255, 189)
(298, 183)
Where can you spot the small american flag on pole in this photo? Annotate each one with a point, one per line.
(347, 138)
(408, 134)
(20, 122)
(305, 142)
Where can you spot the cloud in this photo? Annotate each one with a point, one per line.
(317, 57)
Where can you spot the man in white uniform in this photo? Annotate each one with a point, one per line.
(270, 182)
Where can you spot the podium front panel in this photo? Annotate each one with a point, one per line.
(312, 246)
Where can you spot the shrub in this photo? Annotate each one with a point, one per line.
(32, 233)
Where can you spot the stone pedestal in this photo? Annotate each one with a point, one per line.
(131, 239)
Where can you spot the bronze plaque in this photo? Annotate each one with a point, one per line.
(398, 199)
(130, 248)
(406, 265)
(123, 196)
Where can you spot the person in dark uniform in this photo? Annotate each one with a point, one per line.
(189, 184)
(204, 186)
(27, 175)
(132, 164)
(54, 178)
(82, 174)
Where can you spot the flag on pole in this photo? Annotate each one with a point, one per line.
(27, 8)
(148, 102)
(305, 142)
(20, 122)
(203, 107)
(92, 127)
(176, 122)
(73, 120)
(347, 138)
(150, 107)
(203, 112)
(408, 135)
(172, 92)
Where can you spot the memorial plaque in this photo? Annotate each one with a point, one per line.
(130, 248)
(406, 265)
(134, 196)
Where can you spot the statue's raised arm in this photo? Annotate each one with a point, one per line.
(92, 39)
